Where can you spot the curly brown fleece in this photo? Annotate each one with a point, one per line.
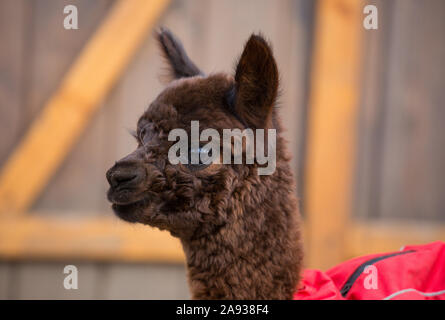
(239, 230)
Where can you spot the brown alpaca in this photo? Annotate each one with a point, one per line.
(239, 230)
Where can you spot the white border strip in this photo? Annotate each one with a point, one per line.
(426, 294)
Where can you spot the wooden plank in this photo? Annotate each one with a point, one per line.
(291, 45)
(5, 280)
(389, 235)
(69, 109)
(44, 280)
(108, 239)
(53, 52)
(71, 237)
(51, 49)
(13, 29)
(412, 179)
(371, 133)
(331, 129)
(142, 281)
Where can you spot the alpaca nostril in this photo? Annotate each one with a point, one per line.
(125, 178)
(126, 174)
(119, 178)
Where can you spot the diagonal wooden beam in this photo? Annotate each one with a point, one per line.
(333, 105)
(68, 111)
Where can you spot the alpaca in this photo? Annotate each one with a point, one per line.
(239, 230)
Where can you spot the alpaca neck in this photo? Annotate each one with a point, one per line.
(256, 256)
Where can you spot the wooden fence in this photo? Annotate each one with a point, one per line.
(363, 111)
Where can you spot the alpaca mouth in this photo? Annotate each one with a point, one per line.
(134, 204)
(131, 211)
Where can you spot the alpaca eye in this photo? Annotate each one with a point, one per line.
(198, 153)
(142, 135)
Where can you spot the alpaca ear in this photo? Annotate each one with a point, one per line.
(180, 65)
(256, 81)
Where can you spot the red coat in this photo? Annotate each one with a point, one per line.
(415, 272)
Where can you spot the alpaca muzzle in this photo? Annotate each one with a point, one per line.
(126, 180)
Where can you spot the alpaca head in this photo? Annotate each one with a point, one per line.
(191, 200)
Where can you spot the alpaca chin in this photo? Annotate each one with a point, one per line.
(131, 212)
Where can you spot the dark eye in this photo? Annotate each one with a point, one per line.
(141, 136)
(199, 152)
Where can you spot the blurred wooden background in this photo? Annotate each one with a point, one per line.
(397, 187)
